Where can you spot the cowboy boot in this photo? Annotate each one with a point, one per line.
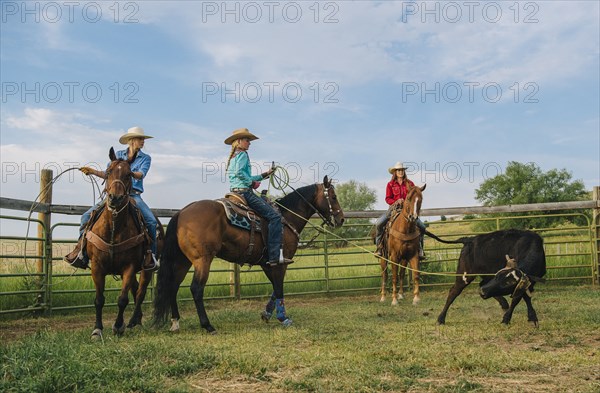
(422, 255)
(77, 257)
(150, 262)
(379, 243)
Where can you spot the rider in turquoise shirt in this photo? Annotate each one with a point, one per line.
(242, 182)
(239, 171)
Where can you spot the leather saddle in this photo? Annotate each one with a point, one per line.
(138, 219)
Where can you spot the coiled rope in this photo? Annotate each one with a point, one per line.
(36, 203)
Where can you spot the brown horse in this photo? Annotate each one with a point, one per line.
(201, 231)
(117, 244)
(403, 245)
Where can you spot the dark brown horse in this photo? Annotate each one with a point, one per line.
(201, 231)
(117, 245)
(403, 245)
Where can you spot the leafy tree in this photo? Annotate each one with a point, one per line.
(354, 196)
(527, 183)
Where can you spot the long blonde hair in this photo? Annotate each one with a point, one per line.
(234, 146)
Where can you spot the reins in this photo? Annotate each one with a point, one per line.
(274, 178)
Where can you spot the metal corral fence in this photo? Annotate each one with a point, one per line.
(34, 279)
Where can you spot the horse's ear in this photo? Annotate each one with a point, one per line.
(111, 154)
(424, 186)
(326, 182)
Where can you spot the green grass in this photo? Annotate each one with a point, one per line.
(337, 344)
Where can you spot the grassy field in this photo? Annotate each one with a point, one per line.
(337, 344)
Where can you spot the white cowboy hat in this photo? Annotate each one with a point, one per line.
(239, 134)
(398, 165)
(133, 132)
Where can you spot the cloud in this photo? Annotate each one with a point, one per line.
(353, 52)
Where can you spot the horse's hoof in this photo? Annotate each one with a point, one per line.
(394, 302)
(265, 316)
(118, 331)
(131, 325)
(400, 296)
(382, 299)
(211, 330)
(416, 301)
(174, 326)
(286, 322)
(534, 324)
(97, 334)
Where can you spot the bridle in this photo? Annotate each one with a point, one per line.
(116, 182)
(326, 220)
(332, 213)
(410, 217)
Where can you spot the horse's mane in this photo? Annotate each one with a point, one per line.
(298, 196)
(412, 191)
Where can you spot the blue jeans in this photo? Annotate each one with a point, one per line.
(149, 219)
(273, 217)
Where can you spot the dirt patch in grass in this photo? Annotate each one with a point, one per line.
(15, 330)
(519, 382)
(208, 383)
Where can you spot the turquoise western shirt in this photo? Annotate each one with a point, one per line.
(240, 175)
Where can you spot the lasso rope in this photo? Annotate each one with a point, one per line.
(283, 181)
(36, 203)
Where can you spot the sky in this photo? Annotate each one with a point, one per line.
(455, 90)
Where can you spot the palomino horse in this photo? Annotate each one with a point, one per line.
(201, 231)
(117, 244)
(403, 245)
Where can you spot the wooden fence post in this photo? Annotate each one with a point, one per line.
(44, 262)
(596, 231)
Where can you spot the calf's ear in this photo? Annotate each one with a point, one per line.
(511, 263)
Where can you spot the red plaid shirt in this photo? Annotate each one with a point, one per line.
(395, 190)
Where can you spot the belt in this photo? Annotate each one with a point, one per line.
(240, 190)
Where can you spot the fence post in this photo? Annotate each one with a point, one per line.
(596, 231)
(326, 261)
(44, 263)
(237, 281)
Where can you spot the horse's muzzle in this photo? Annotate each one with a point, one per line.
(115, 201)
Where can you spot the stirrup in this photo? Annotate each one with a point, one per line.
(80, 261)
(153, 265)
(280, 261)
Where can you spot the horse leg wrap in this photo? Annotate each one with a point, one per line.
(268, 312)
(280, 309)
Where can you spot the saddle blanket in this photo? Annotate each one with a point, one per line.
(241, 216)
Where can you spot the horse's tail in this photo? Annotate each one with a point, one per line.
(166, 285)
(462, 240)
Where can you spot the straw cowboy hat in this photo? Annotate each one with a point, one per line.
(239, 134)
(133, 132)
(398, 165)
